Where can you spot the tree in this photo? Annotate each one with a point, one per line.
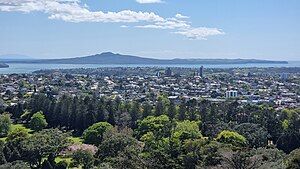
(293, 159)
(147, 110)
(124, 150)
(94, 134)
(15, 165)
(256, 135)
(159, 126)
(159, 107)
(38, 121)
(13, 144)
(172, 110)
(5, 124)
(182, 111)
(84, 158)
(134, 114)
(111, 113)
(240, 160)
(187, 130)
(231, 137)
(42, 144)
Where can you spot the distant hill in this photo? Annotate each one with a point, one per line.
(111, 58)
(14, 57)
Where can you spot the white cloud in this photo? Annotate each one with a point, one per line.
(169, 23)
(200, 33)
(75, 11)
(148, 1)
(180, 16)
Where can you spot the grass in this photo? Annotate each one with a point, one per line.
(76, 140)
(68, 160)
(3, 139)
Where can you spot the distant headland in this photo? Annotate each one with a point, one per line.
(3, 65)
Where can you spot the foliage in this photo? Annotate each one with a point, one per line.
(166, 135)
(43, 144)
(38, 121)
(187, 130)
(256, 135)
(15, 165)
(94, 134)
(293, 160)
(83, 157)
(124, 150)
(159, 126)
(5, 124)
(231, 137)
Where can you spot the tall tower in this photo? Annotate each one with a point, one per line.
(201, 71)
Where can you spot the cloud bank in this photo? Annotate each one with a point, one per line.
(76, 11)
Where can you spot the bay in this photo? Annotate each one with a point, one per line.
(29, 68)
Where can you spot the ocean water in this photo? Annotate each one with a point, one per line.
(29, 68)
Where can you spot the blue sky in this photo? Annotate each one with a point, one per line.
(260, 29)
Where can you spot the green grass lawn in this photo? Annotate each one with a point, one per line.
(3, 139)
(76, 140)
(68, 160)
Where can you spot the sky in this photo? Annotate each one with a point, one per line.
(256, 29)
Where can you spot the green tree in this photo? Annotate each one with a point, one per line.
(38, 121)
(124, 149)
(15, 165)
(147, 110)
(42, 144)
(5, 124)
(159, 126)
(172, 110)
(231, 137)
(94, 134)
(84, 158)
(256, 135)
(134, 114)
(13, 143)
(293, 160)
(187, 130)
(182, 111)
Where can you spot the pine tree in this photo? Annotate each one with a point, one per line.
(147, 110)
(134, 114)
(182, 111)
(172, 110)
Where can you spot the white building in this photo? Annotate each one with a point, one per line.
(231, 94)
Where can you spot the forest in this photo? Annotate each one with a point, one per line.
(98, 132)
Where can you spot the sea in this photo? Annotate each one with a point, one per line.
(25, 68)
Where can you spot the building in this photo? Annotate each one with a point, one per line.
(168, 72)
(201, 71)
(284, 76)
(231, 94)
(158, 74)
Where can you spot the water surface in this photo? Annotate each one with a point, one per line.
(29, 68)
